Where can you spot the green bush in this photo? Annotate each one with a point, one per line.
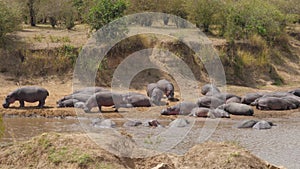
(246, 18)
(9, 18)
(105, 11)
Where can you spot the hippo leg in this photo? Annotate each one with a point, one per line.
(22, 104)
(116, 110)
(41, 103)
(99, 106)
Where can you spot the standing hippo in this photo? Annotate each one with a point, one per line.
(209, 89)
(156, 96)
(274, 103)
(237, 109)
(183, 108)
(27, 93)
(150, 88)
(104, 99)
(167, 87)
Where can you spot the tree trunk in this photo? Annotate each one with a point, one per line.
(31, 13)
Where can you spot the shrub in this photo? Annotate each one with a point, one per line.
(9, 18)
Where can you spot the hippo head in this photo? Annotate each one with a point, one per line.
(8, 100)
(170, 111)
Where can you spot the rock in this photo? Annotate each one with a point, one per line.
(103, 123)
(132, 123)
(179, 123)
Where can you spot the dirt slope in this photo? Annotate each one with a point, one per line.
(54, 150)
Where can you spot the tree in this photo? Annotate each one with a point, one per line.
(9, 18)
(203, 12)
(105, 11)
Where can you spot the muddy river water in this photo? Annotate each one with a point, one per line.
(279, 145)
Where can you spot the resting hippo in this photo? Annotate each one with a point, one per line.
(218, 113)
(251, 97)
(90, 90)
(27, 93)
(67, 103)
(167, 87)
(200, 112)
(209, 89)
(247, 124)
(210, 102)
(277, 94)
(262, 125)
(104, 99)
(150, 88)
(233, 100)
(274, 103)
(183, 108)
(237, 109)
(295, 92)
(82, 97)
(138, 101)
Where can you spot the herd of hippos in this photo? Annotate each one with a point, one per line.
(214, 103)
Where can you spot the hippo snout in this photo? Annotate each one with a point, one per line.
(5, 105)
(164, 112)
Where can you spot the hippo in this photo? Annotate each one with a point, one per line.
(233, 100)
(150, 88)
(183, 108)
(209, 89)
(277, 94)
(79, 105)
(274, 103)
(247, 124)
(104, 99)
(156, 96)
(167, 87)
(67, 103)
(255, 124)
(262, 125)
(210, 102)
(90, 90)
(138, 101)
(78, 96)
(27, 93)
(237, 109)
(293, 99)
(200, 112)
(218, 113)
(295, 92)
(251, 97)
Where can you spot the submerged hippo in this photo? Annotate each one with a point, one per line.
(255, 124)
(104, 99)
(27, 93)
(183, 108)
(274, 103)
(167, 87)
(209, 89)
(237, 109)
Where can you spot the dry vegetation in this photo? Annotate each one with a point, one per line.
(54, 150)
